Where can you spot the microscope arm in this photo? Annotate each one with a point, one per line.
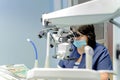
(94, 11)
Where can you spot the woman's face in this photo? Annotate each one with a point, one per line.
(81, 37)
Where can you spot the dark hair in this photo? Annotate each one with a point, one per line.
(89, 31)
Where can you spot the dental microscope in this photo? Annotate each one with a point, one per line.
(58, 33)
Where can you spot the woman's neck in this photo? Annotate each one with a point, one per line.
(80, 50)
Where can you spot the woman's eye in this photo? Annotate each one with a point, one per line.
(76, 34)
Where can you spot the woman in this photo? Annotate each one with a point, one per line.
(85, 35)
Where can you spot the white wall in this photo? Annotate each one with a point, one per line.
(116, 41)
(19, 20)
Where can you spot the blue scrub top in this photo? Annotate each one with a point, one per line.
(101, 59)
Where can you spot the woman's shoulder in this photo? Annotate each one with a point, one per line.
(100, 49)
(99, 46)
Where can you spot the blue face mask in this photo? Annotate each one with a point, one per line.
(79, 43)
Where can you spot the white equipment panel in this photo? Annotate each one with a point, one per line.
(94, 11)
(63, 74)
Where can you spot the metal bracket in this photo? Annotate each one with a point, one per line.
(115, 23)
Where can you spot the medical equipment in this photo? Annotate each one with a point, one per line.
(90, 12)
(35, 50)
(13, 72)
(118, 52)
(60, 38)
(86, 13)
(59, 73)
(89, 54)
(63, 74)
(60, 41)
